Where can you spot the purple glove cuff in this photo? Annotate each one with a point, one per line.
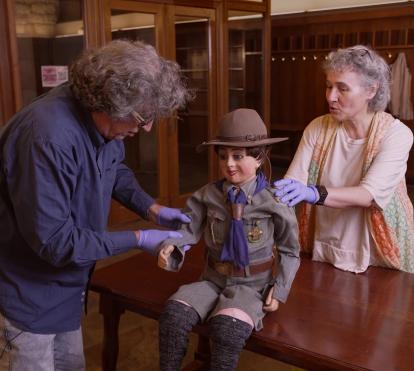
(313, 200)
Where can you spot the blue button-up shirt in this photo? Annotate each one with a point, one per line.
(57, 177)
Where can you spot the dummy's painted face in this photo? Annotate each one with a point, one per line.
(119, 129)
(236, 166)
(346, 96)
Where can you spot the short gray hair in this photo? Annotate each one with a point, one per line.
(123, 76)
(373, 69)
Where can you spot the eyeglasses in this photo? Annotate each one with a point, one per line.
(141, 122)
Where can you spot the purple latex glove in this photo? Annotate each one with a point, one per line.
(150, 239)
(291, 192)
(172, 218)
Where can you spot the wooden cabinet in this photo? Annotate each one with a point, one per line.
(193, 55)
(246, 65)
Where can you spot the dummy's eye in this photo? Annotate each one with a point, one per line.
(222, 156)
(238, 157)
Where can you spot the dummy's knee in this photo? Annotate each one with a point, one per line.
(179, 314)
(230, 331)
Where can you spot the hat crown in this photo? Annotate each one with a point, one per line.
(242, 123)
(242, 127)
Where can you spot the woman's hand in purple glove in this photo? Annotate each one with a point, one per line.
(291, 192)
(150, 239)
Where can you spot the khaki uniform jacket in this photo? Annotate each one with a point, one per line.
(269, 223)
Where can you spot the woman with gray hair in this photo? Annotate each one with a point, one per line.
(61, 162)
(349, 170)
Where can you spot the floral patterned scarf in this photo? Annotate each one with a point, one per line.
(391, 228)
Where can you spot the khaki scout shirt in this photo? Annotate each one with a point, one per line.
(269, 222)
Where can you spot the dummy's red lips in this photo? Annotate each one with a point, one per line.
(232, 172)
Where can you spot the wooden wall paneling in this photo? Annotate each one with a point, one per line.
(189, 3)
(222, 58)
(222, 73)
(10, 92)
(339, 16)
(388, 29)
(94, 21)
(266, 61)
(213, 98)
(249, 6)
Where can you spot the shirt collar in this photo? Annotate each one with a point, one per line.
(248, 188)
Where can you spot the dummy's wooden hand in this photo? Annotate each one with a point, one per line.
(271, 304)
(163, 255)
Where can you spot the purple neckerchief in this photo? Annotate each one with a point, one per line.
(235, 248)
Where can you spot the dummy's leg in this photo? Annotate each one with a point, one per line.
(175, 322)
(228, 337)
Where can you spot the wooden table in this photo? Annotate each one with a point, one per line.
(333, 320)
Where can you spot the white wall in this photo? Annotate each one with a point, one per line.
(294, 6)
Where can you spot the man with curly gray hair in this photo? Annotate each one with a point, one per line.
(350, 169)
(61, 163)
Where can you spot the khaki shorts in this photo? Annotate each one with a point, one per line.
(207, 299)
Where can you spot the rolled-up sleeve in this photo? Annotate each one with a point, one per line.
(41, 195)
(191, 233)
(390, 164)
(129, 193)
(299, 167)
(288, 248)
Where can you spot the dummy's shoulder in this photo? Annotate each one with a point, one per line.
(209, 190)
(269, 194)
(275, 204)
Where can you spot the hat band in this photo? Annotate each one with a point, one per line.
(244, 138)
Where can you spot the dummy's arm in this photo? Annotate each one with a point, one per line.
(172, 252)
(288, 248)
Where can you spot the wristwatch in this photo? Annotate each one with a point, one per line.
(323, 193)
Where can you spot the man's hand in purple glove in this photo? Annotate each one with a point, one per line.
(168, 217)
(150, 239)
(172, 218)
(291, 192)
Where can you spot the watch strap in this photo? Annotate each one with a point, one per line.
(323, 193)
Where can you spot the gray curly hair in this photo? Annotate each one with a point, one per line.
(125, 76)
(370, 66)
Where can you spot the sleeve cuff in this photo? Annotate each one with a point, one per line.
(280, 293)
(176, 260)
(121, 241)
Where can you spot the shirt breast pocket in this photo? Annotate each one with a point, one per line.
(217, 226)
(258, 228)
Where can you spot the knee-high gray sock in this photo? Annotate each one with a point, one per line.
(228, 336)
(175, 322)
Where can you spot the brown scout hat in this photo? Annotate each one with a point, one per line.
(241, 128)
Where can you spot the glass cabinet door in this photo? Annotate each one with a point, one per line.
(195, 34)
(245, 55)
(192, 53)
(165, 160)
(140, 150)
(49, 37)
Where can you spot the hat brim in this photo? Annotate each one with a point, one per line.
(255, 143)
